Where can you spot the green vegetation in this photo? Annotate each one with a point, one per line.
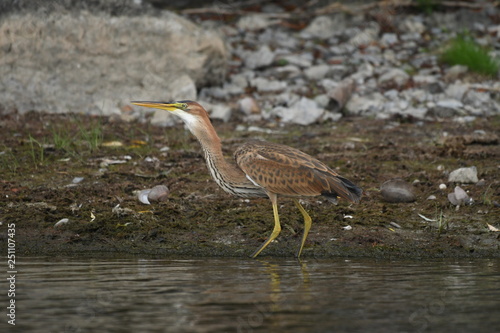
(464, 51)
(37, 151)
(426, 6)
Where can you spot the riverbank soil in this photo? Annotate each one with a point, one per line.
(82, 173)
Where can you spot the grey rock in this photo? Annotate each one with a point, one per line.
(93, 62)
(452, 73)
(316, 72)
(412, 25)
(447, 108)
(365, 105)
(389, 39)
(416, 112)
(324, 27)
(260, 58)
(303, 60)
(397, 190)
(456, 90)
(424, 79)
(255, 22)
(395, 75)
(265, 85)
(476, 98)
(158, 193)
(304, 112)
(366, 36)
(459, 197)
(220, 111)
(248, 106)
(464, 175)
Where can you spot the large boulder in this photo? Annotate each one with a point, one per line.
(94, 62)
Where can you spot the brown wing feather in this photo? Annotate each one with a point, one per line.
(287, 171)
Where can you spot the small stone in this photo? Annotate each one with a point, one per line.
(158, 193)
(304, 112)
(260, 58)
(365, 105)
(265, 85)
(220, 111)
(456, 90)
(324, 27)
(316, 72)
(397, 190)
(454, 72)
(447, 108)
(442, 187)
(481, 182)
(431, 197)
(254, 22)
(248, 106)
(395, 75)
(460, 197)
(464, 175)
(389, 39)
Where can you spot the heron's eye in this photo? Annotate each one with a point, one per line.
(184, 106)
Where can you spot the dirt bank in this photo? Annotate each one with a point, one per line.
(41, 155)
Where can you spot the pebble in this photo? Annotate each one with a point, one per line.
(464, 175)
(248, 105)
(395, 75)
(459, 197)
(397, 190)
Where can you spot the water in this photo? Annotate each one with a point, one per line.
(240, 295)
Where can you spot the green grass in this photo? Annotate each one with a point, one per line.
(464, 51)
(37, 152)
(426, 6)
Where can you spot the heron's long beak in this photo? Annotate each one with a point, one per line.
(161, 105)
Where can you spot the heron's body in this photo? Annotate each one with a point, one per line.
(262, 169)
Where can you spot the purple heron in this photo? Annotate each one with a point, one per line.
(262, 169)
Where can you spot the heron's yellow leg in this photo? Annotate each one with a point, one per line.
(277, 226)
(307, 225)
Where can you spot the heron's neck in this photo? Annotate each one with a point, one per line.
(220, 168)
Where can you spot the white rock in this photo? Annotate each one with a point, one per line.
(304, 112)
(365, 105)
(454, 72)
(324, 27)
(389, 39)
(365, 36)
(254, 22)
(456, 90)
(412, 25)
(397, 190)
(442, 186)
(302, 60)
(248, 105)
(220, 111)
(316, 72)
(416, 112)
(464, 175)
(396, 75)
(260, 58)
(265, 85)
(476, 98)
(447, 108)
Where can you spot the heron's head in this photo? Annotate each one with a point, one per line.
(192, 113)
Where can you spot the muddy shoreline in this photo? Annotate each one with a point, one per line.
(198, 219)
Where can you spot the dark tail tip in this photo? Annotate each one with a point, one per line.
(354, 191)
